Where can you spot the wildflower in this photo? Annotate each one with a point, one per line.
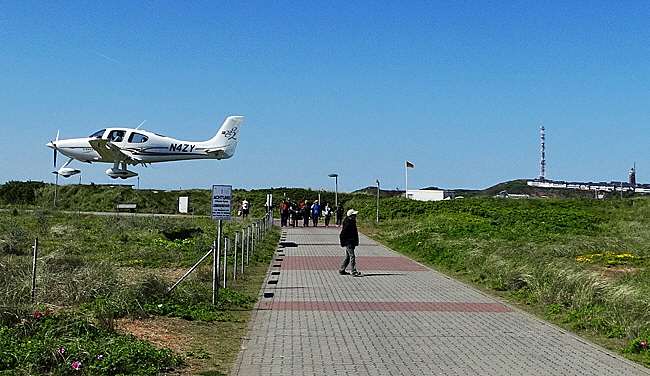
(159, 305)
(99, 357)
(60, 350)
(24, 320)
(76, 365)
(643, 343)
(37, 314)
(48, 311)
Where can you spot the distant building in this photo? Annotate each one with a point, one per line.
(614, 186)
(430, 194)
(505, 194)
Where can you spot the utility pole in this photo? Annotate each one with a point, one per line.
(336, 188)
(377, 200)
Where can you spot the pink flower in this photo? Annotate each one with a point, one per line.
(24, 320)
(48, 311)
(60, 350)
(76, 366)
(37, 314)
(643, 343)
(99, 357)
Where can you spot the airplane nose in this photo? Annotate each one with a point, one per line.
(50, 145)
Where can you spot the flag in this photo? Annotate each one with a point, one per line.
(409, 164)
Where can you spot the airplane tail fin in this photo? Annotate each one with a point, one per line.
(225, 141)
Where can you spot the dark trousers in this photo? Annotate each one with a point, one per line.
(350, 258)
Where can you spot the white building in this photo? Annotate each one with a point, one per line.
(429, 194)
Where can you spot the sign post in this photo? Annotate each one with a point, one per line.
(221, 202)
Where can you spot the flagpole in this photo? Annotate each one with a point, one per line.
(406, 169)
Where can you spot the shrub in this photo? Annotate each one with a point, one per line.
(46, 343)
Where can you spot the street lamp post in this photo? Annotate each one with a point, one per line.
(377, 200)
(336, 188)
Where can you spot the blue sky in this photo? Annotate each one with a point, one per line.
(458, 88)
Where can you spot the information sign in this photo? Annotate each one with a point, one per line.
(221, 200)
(183, 204)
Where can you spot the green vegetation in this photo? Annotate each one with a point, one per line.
(94, 272)
(102, 198)
(581, 263)
(59, 344)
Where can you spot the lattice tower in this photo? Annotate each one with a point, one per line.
(542, 162)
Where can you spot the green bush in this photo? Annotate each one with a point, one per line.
(55, 343)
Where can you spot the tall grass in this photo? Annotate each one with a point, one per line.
(583, 261)
(91, 271)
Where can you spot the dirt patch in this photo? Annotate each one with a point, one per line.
(161, 332)
(173, 334)
(613, 272)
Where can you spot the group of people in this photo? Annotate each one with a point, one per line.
(292, 213)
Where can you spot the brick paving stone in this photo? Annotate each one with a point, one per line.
(399, 318)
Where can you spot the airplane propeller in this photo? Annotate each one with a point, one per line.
(55, 150)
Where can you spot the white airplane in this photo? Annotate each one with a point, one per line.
(132, 146)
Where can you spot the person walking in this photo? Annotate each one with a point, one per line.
(327, 213)
(349, 238)
(315, 213)
(284, 213)
(306, 213)
(245, 207)
(339, 214)
(294, 213)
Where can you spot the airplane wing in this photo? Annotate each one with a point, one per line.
(111, 152)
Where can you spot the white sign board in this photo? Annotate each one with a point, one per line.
(221, 199)
(183, 204)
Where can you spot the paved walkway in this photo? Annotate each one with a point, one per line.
(399, 318)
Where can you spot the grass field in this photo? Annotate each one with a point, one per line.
(101, 305)
(579, 263)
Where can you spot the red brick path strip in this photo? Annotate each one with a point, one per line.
(386, 306)
(363, 263)
(328, 244)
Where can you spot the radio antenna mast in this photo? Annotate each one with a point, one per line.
(542, 162)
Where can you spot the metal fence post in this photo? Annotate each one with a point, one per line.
(34, 269)
(248, 245)
(226, 242)
(215, 276)
(234, 269)
(243, 240)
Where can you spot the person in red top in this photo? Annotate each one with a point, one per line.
(284, 213)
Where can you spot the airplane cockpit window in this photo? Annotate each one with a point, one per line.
(98, 134)
(137, 138)
(116, 136)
